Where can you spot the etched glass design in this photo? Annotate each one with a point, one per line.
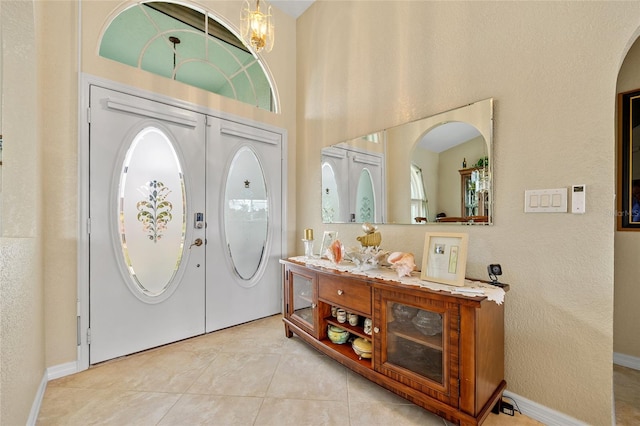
(330, 198)
(151, 211)
(365, 201)
(246, 213)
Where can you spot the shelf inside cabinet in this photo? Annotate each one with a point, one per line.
(347, 351)
(408, 332)
(357, 330)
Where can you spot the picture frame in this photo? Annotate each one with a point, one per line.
(628, 187)
(327, 239)
(444, 259)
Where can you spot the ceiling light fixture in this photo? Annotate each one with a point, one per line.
(257, 27)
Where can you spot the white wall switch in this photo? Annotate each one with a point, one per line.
(578, 198)
(545, 200)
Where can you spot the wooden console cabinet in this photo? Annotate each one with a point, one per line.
(441, 351)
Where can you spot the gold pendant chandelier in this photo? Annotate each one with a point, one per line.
(257, 29)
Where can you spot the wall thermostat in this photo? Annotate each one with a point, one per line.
(578, 196)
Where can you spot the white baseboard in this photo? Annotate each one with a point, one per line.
(626, 360)
(62, 370)
(37, 401)
(51, 373)
(541, 413)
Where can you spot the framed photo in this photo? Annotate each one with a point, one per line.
(327, 239)
(445, 258)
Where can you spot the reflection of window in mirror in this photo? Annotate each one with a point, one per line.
(419, 206)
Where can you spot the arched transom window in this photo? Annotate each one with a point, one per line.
(178, 42)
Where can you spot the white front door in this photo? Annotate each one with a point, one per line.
(244, 217)
(146, 208)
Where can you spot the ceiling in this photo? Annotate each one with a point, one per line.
(293, 8)
(448, 135)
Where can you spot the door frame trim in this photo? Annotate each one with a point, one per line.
(86, 81)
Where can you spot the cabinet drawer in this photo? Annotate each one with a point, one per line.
(348, 293)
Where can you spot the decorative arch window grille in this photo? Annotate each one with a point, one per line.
(188, 45)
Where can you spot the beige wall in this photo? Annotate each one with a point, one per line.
(22, 336)
(552, 69)
(626, 319)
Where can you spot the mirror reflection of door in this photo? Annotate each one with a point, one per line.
(365, 209)
(330, 196)
(366, 185)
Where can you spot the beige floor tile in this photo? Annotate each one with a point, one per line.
(363, 390)
(627, 392)
(296, 412)
(237, 374)
(309, 377)
(194, 410)
(105, 407)
(375, 413)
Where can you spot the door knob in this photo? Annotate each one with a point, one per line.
(197, 243)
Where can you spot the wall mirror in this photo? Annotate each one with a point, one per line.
(629, 160)
(437, 169)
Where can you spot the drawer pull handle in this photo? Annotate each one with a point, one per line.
(313, 305)
(376, 330)
(340, 292)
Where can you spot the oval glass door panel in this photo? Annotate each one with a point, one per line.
(365, 201)
(246, 213)
(330, 199)
(151, 212)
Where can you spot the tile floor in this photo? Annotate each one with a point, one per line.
(245, 375)
(626, 384)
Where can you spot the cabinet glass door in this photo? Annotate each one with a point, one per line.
(414, 340)
(418, 342)
(302, 303)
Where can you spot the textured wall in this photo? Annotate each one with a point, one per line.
(551, 68)
(22, 340)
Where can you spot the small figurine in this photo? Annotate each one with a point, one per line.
(372, 238)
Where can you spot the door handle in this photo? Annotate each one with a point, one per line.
(197, 243)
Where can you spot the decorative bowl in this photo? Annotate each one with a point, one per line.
(337, 335)
(403, 313)
(362, 347)
(428, 323)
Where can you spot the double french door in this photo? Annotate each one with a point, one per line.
(185, 223)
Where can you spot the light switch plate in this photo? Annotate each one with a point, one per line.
(545, 200)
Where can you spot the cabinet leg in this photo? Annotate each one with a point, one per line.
(287, 332)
